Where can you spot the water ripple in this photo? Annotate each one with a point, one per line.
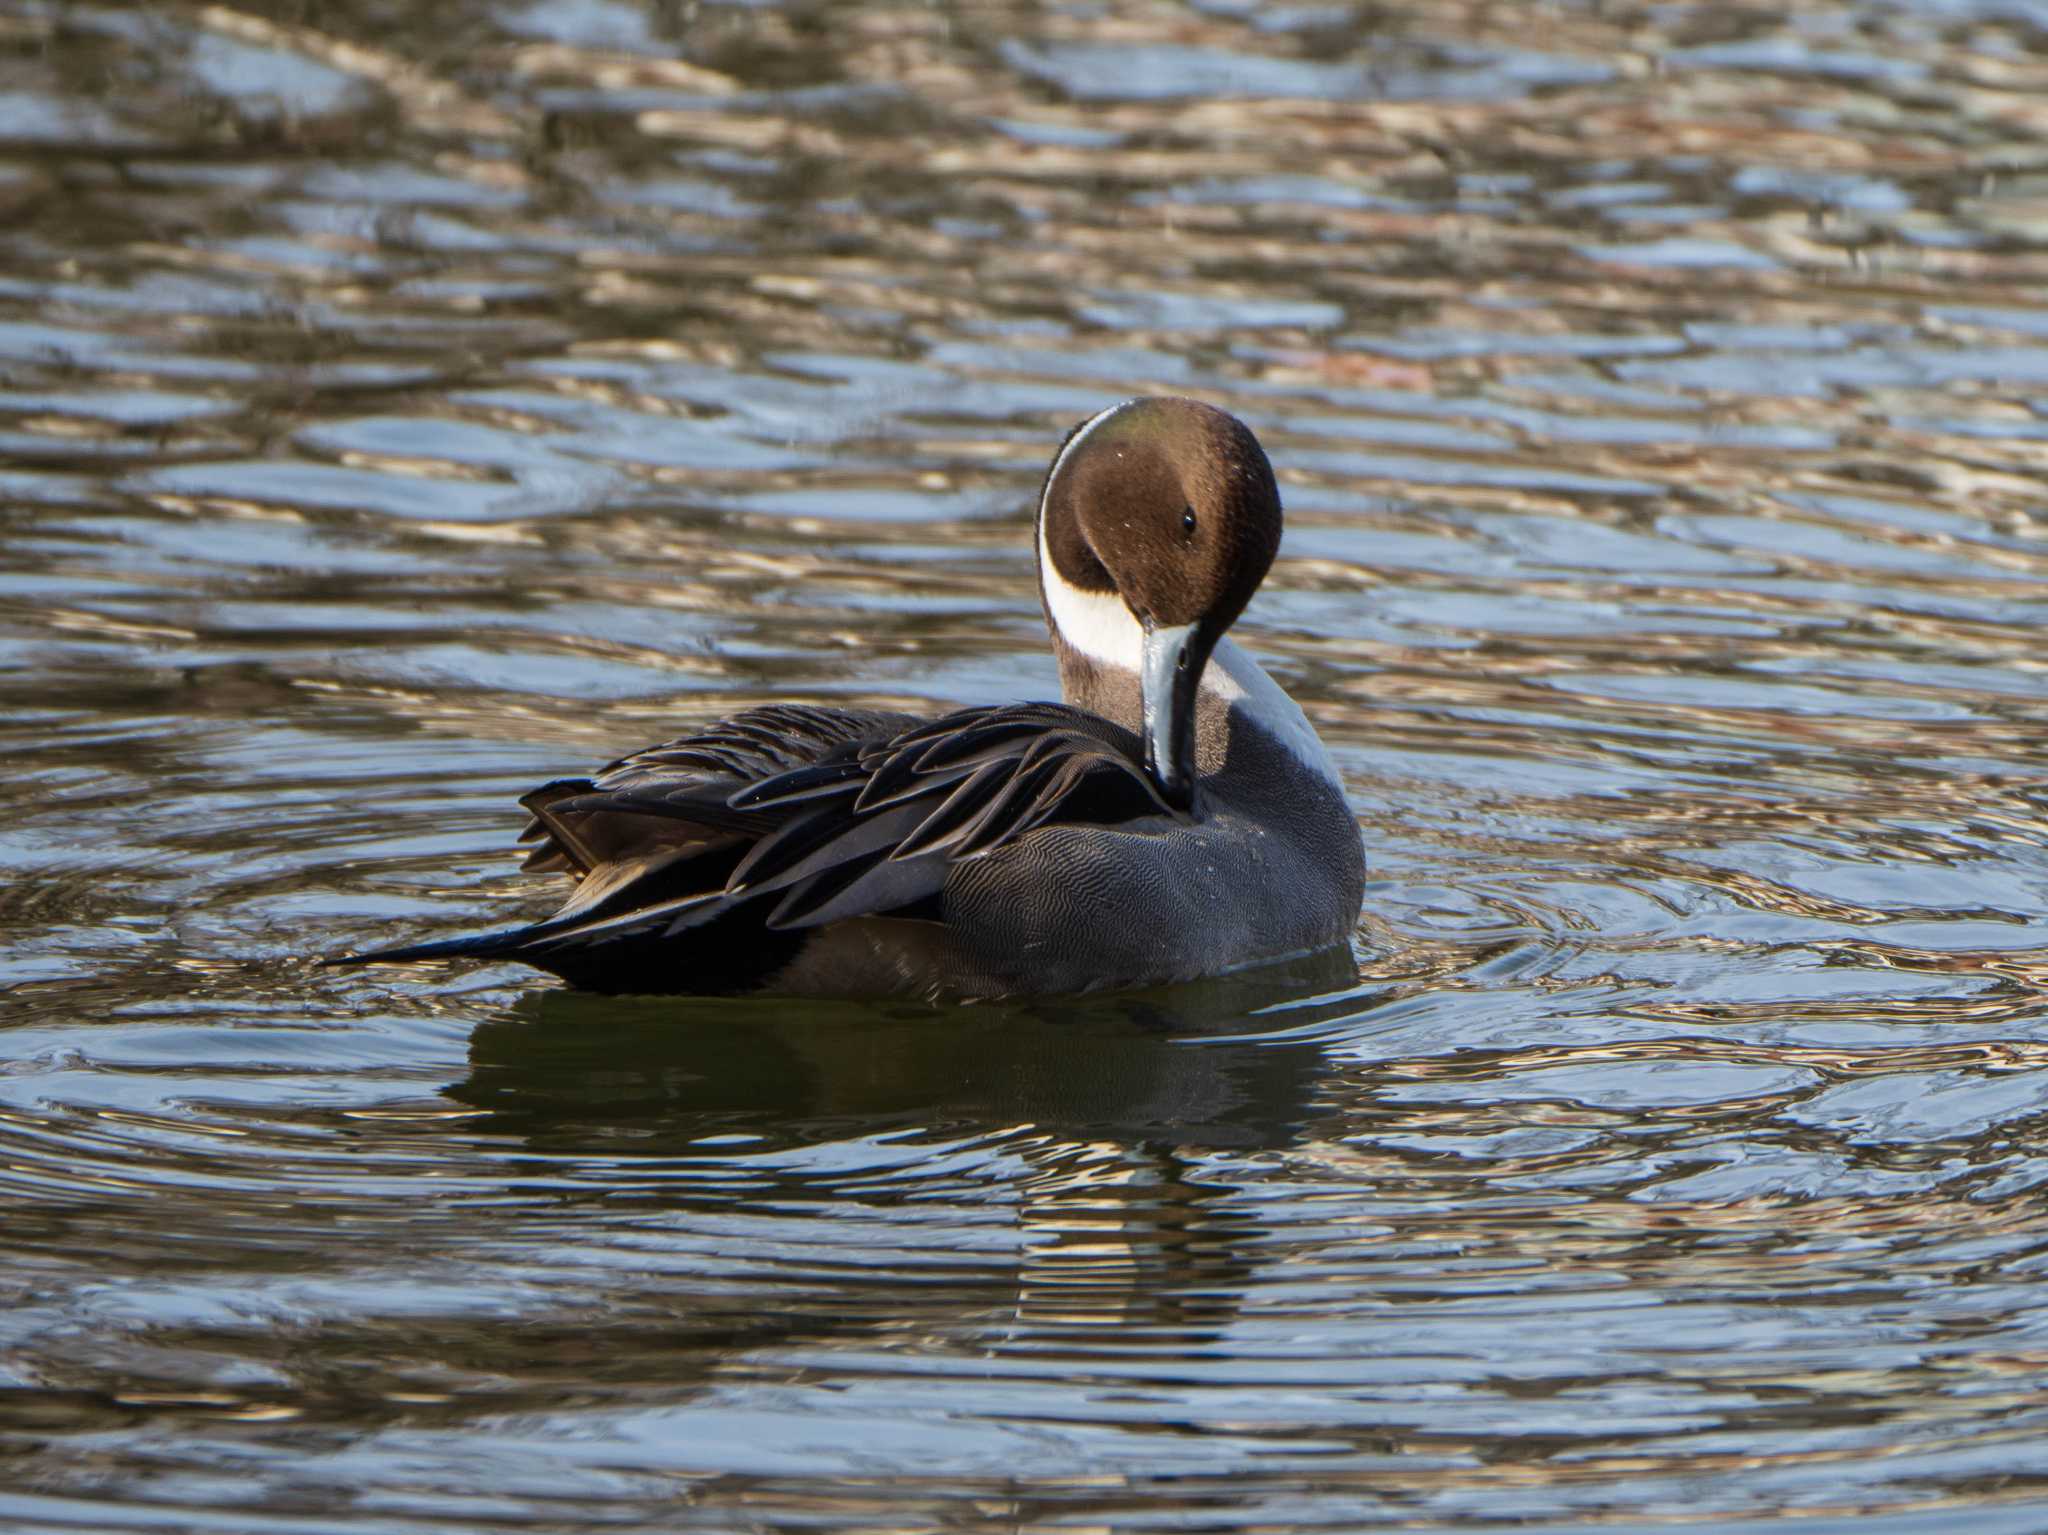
(398, 415)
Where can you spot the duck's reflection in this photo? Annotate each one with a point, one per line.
(1110, 1104)
(1191, 1066)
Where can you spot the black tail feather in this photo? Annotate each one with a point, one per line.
(504, 942)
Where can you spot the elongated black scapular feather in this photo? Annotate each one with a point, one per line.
(832, 840)
(824, 780)
(881, 884)
(783, 819)
(991, 824)
(952, 810)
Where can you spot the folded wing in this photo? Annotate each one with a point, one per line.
(783, 819)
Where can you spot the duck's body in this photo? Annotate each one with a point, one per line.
(1175, 817)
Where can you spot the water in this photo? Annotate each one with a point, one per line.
(402, 406)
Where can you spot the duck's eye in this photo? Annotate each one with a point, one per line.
(1187, 521)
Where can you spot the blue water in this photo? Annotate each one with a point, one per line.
(400, 408)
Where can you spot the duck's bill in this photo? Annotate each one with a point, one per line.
(1172, 671)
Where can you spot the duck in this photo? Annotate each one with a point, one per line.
(1174, 817)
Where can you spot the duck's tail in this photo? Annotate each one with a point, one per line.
(506, 943)
(690, 944)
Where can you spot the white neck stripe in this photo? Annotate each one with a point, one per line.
(1095, 623)
(1100, 627)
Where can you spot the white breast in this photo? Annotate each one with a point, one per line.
(1100, 627)
(1238, 680)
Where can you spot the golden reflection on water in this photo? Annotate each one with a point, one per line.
(399, 410)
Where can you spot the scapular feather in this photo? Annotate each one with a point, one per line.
(819, 815)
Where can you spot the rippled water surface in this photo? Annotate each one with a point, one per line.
(403, 405)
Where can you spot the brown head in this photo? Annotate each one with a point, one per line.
(1158, 520)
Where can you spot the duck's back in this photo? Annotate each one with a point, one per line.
(1015, 850)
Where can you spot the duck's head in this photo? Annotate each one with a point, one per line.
(1158, 521)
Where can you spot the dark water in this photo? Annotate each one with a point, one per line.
(400, 406)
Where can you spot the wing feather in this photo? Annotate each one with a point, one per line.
(795, 816)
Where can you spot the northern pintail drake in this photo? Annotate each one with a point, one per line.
(1175, 817)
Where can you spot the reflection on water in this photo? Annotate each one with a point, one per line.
(1132, 1068)
(400, 408)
